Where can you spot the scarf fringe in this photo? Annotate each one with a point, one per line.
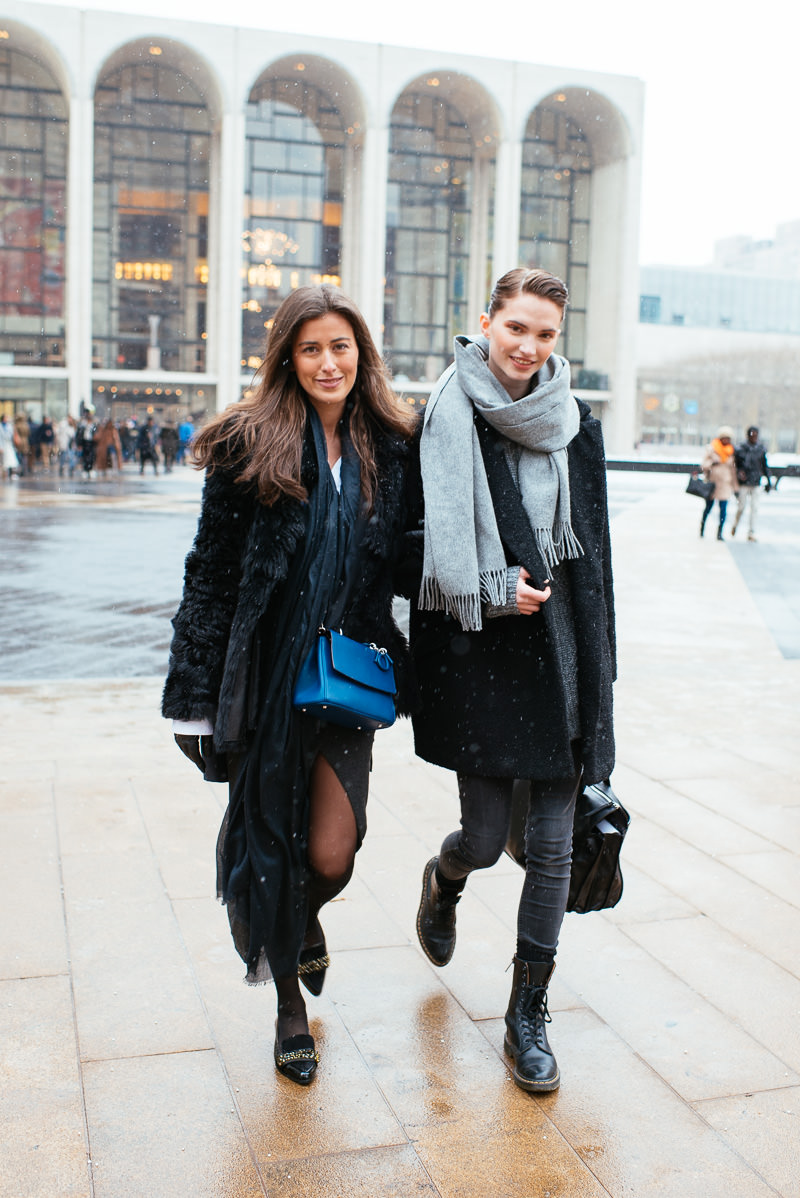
(465, 608)
(556, 547)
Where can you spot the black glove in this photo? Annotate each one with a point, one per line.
(190, 745)
(200, 749)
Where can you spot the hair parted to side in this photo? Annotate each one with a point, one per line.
(526, 280)
(262, 437)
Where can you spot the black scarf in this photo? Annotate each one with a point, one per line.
(262, 850)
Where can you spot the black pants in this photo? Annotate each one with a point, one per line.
(485, 822)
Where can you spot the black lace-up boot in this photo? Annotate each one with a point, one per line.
(436, 917)
(535, 1067)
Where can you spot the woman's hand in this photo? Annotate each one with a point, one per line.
(529, 600)
(190, 745)
(200, 749)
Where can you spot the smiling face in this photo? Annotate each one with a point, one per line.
(325, 360)
(522, 336)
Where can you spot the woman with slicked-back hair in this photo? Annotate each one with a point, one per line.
(302, 509)
(512, 627)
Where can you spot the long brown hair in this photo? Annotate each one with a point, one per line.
(262, 437)
(525, 280)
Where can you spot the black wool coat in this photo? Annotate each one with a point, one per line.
(492, 702)
(241, 554)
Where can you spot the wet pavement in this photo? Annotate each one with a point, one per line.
(135, 1063)
(92, 570)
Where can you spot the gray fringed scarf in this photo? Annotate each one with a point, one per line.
(464, 563)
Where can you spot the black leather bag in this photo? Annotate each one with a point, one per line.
(598, 832)
(698, 486)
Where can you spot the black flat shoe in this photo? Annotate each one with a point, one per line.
(296, 1058)
(313, 964)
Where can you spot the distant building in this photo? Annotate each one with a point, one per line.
(167, 183)
(721, 344)
(712, 298)
(774, 258)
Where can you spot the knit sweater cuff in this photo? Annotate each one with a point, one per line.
(491, 611)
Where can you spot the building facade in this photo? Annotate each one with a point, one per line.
(721, 345)
(165, 184)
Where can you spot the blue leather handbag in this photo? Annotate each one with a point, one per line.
(347, 682)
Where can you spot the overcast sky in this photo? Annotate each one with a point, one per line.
(722, 115)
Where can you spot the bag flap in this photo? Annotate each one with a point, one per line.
(593, 803)
(362, 663)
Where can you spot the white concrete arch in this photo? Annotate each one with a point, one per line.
(294, 75)
(297, 70)
(420, 338)
(468, 96)
(604, 125)
(33, 43)
(167, 52)
(609, 274)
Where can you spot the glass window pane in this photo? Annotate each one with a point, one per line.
(33, 158)
(292, 233)
(555, 209)
(150, 263)
(427, 243)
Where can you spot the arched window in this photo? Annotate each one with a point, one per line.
(555, 212)
(427, 235)
(152, 140)
(293, 201)
(33, 172)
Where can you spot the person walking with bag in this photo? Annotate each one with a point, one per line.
(302, 515)
(718, 468)
(512, 631)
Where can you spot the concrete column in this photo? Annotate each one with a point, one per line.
(612, 301)
(372, 267)
(80, 212)
(225, 280)
(479, 241)
(506, 209)
(351, 218)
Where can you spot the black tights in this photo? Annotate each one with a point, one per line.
(332, 843)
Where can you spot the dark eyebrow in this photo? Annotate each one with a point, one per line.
(333, 340)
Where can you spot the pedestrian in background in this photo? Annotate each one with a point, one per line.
(108, 446)
(169, 440)
(146, 445)
(718, 467)
(85, 443)
(46, 443)
(750, 459)
(22, 443)
(301, 521)
(185, 434)
(65, 445)
(8, 453)
(512, 632)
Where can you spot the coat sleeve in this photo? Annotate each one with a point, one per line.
(408, 570)
(203, 620)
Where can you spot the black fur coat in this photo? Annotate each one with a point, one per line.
(240, 556)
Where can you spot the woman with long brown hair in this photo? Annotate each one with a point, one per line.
(303, 509)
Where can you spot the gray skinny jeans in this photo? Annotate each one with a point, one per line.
(485, 822)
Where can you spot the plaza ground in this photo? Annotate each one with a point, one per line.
(136, 1063)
